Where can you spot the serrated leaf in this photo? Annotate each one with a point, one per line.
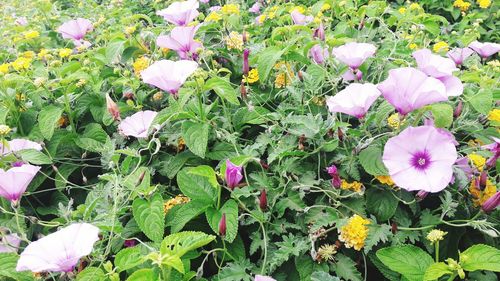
(436, 270)
(34, 156)
(47, 120)
(8, 262)
(196, 137)
(323, 276)
(223, 89)
(481, 257)
(481, 100)
(267, 59)
(381, 203)
(205, 171)
(178, 244)
(148, 213)
(90, 274)
(443, 114)
(370, 159)
(128, 258)
(408, 260)
(345, 268)
(185, 213)
(230, 208)
(146, 274)
(377, 234)
(114, 51)
(196, 187)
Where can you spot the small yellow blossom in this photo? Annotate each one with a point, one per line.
(230, 9)
(32, 34)
(177, 200)
(299, 9)
(261, 19)
(355, 186)
(414, 6)
(43, 54)
(327, 252)
(81, 83)
(478, 161)
(21, 63)
(440, 46)
(28, 54)
(140, 64)
(436, 235)
(494, 63)
(494, 115)
(393, 121)
(284, 76)
(325, 7)
(402, 10)
(39, 81)
(413, 46)
(130, 29)
(479, 197)
(64, 53)
(234, 41)
(20, 97)
(4, 130)
(213, 16)
(158, 96)
(385, 180)
(253, 76)
(462, 5)
(354, 233)
(483, 4)
(4, 68)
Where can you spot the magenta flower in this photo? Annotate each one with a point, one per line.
(138, 124)
(459, 55)
(59, 251)
(486, 49)
(495, 149)
(354, 54)
(75, 29)
(352, 75)
(17, 145)
(9, 243)
(14, 181)
(222, 225)
(169, 75)
(255, 8)
(492, 203)
(318, 53)
(440, 68)
(420, 158)
(180, 13)
(233, 174)
(333, 172)
(300, 19)
(354, 100)
(181, 40)
(246, 65)
(263, 278)
(462, 163)
(320, 32)
(408, 89)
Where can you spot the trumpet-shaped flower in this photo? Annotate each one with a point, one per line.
(255, 8)
(75, 29)
(233, 174)
(59, 251)
(17, 145)
(263, 278)
(354, 54)
(318, 53)
(169, 75)
(180, 13)
(354, 100)
(181, 40)
(420, 159)
(459, 55)
(14, 181)
(408, 89)
(138, 124)
(486, 49)
(300, 19)
(9, 243)
(440, 68)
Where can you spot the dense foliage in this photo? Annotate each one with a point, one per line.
(249, 140)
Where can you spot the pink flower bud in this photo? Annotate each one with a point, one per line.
(222, 225)
(263, 200)
(112, 108)
(246, 67)
(320, 32)
(458, 109)
(492, 203)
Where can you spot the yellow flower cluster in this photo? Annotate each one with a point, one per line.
(234, 41)
(479, 197)
(284, 76)
(130, 29)
(413, 46)
(230, 9)
(393, 121)
(414, 6)
(478, 161)
(354, 233)
(21, 63)
(462, 5)
(354, 186)
(483, 4)
(299, 9)
(32, 34)
(436, 235)
(213, 16)
(385, 180)
(494, 115)
(177, 200)
(402, 10)
(253, 76)
(43, 54)
(140, 64)
(4, 130)
(64, 53)
(4, 68)
(441, 46)
(325, 7)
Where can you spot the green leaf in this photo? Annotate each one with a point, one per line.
(230, 208)
(146, 274)
(149, 216)
(371, 160)
(481, 257)
(443, 114)
(376, 234)
(408, 260)
(185, 213)
(8, 262)
(205, 171)
(223, 89)
(128, 258)
(196, 187)
(196, 137)
(47, 120)
(345, 268)
(381, 203)
(178, 244)
(323, 276)
(267, 59)
(34, 156)
(90, 274)
(481, 100)
(436, 270)
(114, 51)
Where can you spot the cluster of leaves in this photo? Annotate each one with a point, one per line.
(282, 136)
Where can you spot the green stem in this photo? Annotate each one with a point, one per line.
(200, 103)
(452, 277)
(437, 250)
(68, 111)
(263, 270)
(219, 196)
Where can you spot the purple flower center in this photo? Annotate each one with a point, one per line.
(421, 160)
(17, 164)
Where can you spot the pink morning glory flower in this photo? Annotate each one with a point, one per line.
(408, 89)
(300, 19)
(181, 40)
(17, 145)
(459, 55)
(180, 13)
(420, 158)
(440, 68)
(263, 278)
(22, 21)
(59, 251)
(486, 49)
(9, 243)
(75, 29)
(320, 32)
(354, 100)
(354, 54)
(318, 53)
(233, 174)
(169, 75)
(495, 149)
(138, 124)
(14, 181)
(255, 8)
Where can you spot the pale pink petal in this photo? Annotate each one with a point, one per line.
(138, 124)
(459, 55)
(75, 29)
(354, 54)
(263, 278)
(180, 13)
(485, 49)
(17, 145)
(9, 243)
(169, 75)
(453, 85)
(354, 100)
(15, 181)
(434, 65)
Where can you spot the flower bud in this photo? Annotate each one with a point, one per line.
(483, 179)
(246, 67)
(129, 243)
(492, 203)
(263, 200)
(421, 195)
(243, 90)
(112, 108)
(333, 172)
(458, 109)
(301, 76)
(244, 37)
(128, 95)
(233, 174)
(340, 134)
(320, 32)
(222, 225)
